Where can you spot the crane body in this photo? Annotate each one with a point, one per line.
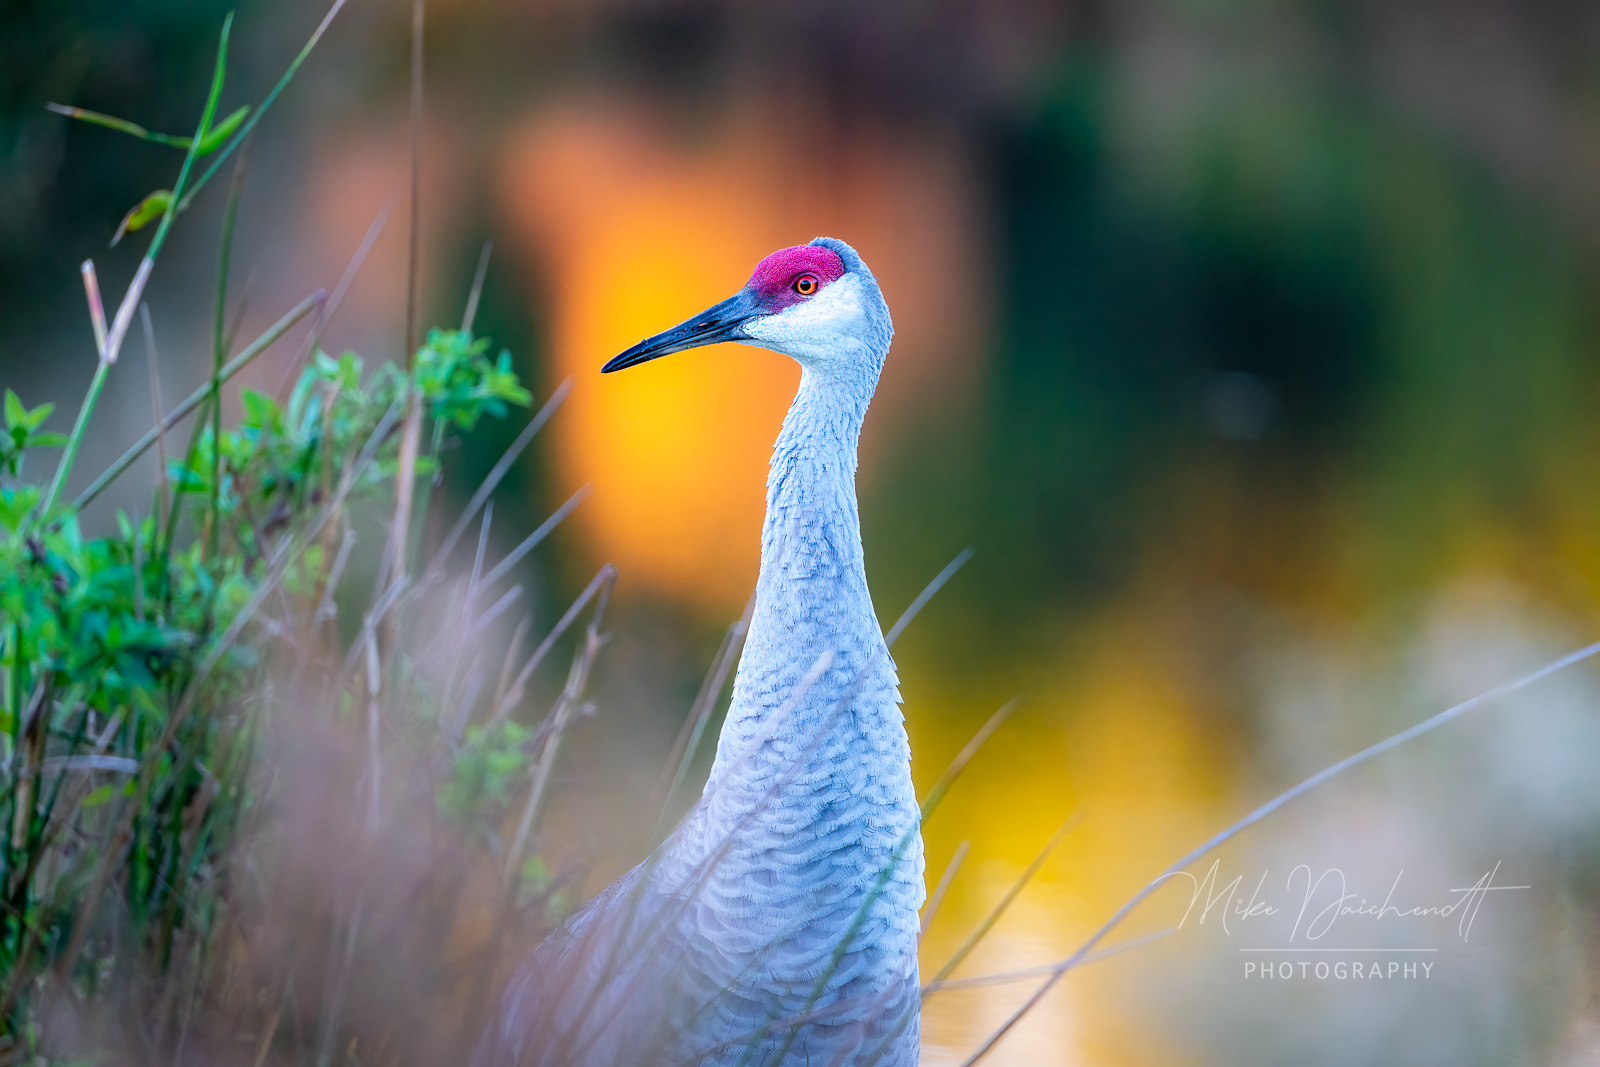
(777, 925)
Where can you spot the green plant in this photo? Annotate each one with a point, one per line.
(142, 672)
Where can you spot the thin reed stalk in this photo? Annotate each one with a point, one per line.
(960, 955)
(164, 500)
(476, 291)
(218, 350)
(700, 711)
(936, 898)
(411, 434)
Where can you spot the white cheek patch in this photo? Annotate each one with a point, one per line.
(817, 331)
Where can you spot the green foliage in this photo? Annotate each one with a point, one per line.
(22, 433)
(493, 760)
(136, 667)
(143, 213)
(460, 381)
(103, 640)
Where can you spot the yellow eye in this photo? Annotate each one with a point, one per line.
(806, 284)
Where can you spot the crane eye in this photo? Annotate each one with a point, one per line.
(806, 284)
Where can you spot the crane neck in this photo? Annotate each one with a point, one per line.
(811, 490)
(812, 596)
(816, 448)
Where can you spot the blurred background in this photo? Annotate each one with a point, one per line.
(1251, 344)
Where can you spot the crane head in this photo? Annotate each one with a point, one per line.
(815, 302)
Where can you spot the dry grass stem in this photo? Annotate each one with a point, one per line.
(492, 480)
(327, 309)
(1000, 907)
(476, 292)
(97, 311)
(1393, 741)
(936, 898)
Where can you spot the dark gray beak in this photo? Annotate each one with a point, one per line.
(721, 322)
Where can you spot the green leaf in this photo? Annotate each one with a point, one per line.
(16, 414)
(15, 503)
(111, 122)
(220, 132)
(99, 796)
(39, 415)
(145, 212)
(47, 440)
(260, 410)
(210, 142)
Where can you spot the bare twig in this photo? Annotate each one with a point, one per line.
(374, 752)
(561, 716)
(512, 651)
(369, 625)
(326, 609)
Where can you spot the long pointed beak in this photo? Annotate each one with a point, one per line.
(720, 322)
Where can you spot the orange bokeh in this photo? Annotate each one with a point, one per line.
(637, 231)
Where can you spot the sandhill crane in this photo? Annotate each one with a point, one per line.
(778, 923)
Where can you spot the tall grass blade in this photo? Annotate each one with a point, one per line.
(926, 595)
(529, 543)
(218, 346)
(602, 580)
(250, 123)
(154, 364)
(111, 122)
(700, 711)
